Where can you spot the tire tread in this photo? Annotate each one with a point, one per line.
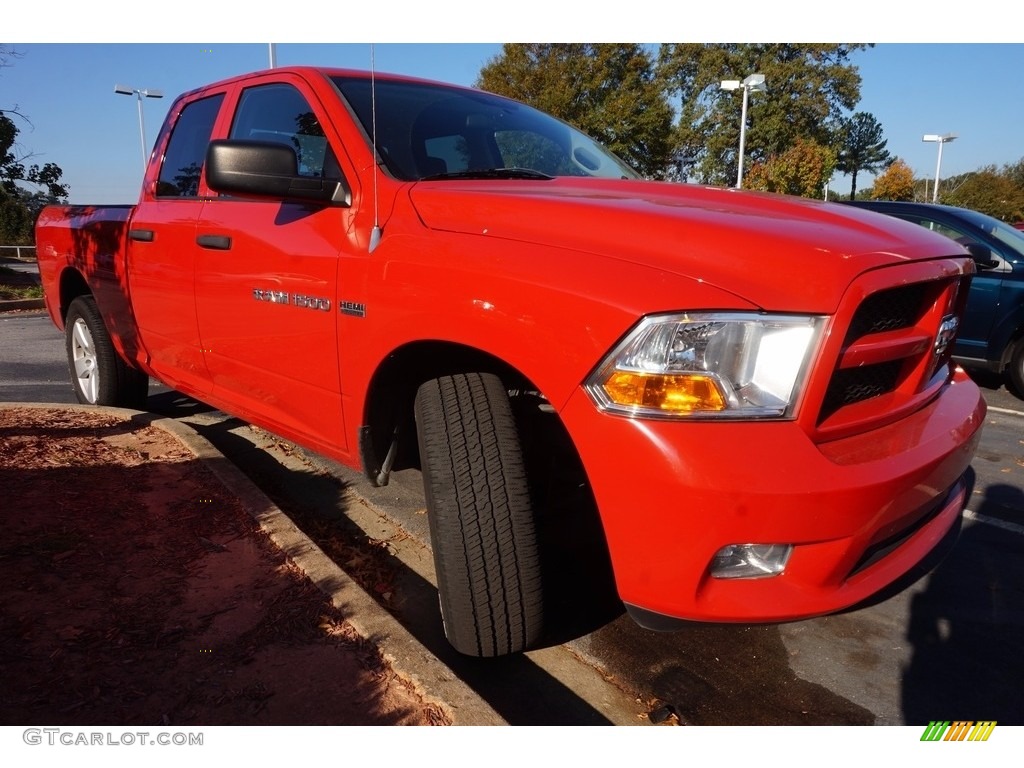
(481, 519)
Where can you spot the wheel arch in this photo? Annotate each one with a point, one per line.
(565, 513)
(392, 391)
(1013, 362)
(72, 285)
(115, 308)
(1007, 331)
(1014, 344)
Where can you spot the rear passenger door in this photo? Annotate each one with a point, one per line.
(266, 286)
(161, 246)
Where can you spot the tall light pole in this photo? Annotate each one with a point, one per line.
(152, 93)
(750, 83)
(940, 140)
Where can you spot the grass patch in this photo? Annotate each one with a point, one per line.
(18, 285)
(8, 292)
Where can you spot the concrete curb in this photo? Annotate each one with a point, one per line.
(435, 680)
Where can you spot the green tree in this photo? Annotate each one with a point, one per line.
(985, 190)
(809, 88)
(1015, 172)
(802, 170)
(896, 182)
(608, 91)
(20, 205)
(862, 147)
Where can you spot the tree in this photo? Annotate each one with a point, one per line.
(862, 147)
(607, 91)
(809, 88)
(896, 182)
(20, 206)
(985, 190)
(802, 170)
(1015, 172)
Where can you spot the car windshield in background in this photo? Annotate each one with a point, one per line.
(1004, 233)
(432, 131)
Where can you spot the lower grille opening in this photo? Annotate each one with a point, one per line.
(881, 549)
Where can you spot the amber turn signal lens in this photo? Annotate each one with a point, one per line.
(668, 393)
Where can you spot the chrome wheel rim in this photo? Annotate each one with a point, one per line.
(83, 355)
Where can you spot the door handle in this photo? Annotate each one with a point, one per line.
(214, 242)
(141, 235)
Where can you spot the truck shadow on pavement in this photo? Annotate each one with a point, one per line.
(516, 687)
(966, 627)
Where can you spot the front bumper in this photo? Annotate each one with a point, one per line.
(860, 511)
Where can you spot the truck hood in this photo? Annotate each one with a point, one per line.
(774, 251)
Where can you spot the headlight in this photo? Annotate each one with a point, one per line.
(708, 365)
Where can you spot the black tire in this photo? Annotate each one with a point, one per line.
(1016, 369)
(481, 521)
(98, 374)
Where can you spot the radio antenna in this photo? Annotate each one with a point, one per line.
(375, 233)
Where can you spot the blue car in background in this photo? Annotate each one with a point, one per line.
(991, 336)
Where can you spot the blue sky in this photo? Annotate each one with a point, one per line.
(78, 122)
(65, 85)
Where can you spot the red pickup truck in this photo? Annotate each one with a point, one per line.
(758, 389)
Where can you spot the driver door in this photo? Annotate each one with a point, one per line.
(266, 281)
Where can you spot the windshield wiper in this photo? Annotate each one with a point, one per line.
(491, 173)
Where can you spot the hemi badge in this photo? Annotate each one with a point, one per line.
(353, 308)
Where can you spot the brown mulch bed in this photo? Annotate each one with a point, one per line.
(136, 591)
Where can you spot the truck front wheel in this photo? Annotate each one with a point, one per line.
(98, 374)
(482, 528)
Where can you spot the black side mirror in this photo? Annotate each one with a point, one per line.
(982, 255)
(267, 169)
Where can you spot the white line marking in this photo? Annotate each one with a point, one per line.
(993, 409)
(1006, 526)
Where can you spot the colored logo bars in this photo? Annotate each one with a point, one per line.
(959, 730)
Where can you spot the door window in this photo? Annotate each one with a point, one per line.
(182, 166)
(963, 237)
(279, 113)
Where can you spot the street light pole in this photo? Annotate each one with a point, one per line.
(940, 140)
(149, 94)
(743, 137)
(750, 83)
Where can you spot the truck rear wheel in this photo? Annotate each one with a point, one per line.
(481, 520)
(98, 374)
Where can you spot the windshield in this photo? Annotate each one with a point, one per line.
(1004, 233)
(427, 130)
